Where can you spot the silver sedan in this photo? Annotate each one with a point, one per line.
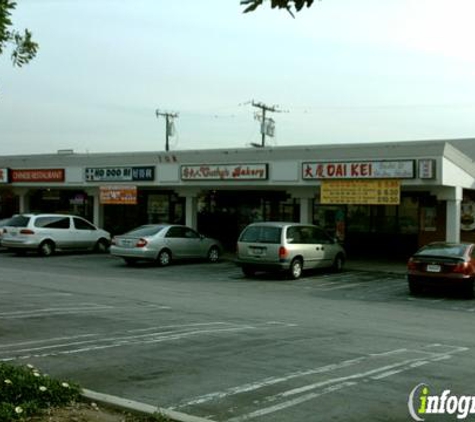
(163, 243)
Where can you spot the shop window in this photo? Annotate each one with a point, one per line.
(359, 218)
(409, 215)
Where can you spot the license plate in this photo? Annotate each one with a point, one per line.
(126, 243)
(432, 268)
(257, 251)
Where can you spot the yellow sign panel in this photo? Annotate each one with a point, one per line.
(124, 195)
(361, 192)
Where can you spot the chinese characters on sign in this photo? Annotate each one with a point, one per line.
(119, 174)
(37, 175)
(225, 172)
(124, 195)
(359, 170)
(362, 192)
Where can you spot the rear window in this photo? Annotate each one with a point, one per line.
(455, 251)
(261, 234)
(19, 221)
(145, 231)
(53, 222)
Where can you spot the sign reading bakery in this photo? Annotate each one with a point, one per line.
(224, 172)
(37, 175)
(359, 170)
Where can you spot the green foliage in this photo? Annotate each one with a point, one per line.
(24, 48)
(298, 5)
(24, 392)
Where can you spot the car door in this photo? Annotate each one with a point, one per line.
(84, 233)
(176, 241)
(324, 245)
(57, 228)
(313, 246)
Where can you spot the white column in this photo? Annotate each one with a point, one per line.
(453, 197)
(453, 220)
(306, 210)
(191, 212)
(22, 199)
(97, 209)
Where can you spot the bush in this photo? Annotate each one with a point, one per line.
(25, 392)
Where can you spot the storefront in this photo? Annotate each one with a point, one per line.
(375, 198)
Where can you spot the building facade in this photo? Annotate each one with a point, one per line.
(379, 198)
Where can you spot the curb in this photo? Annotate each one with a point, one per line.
(138, 408)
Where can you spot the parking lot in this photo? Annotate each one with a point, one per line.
(202, 339)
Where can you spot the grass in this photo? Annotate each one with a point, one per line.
(27, 394)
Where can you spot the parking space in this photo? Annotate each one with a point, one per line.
(203, 339)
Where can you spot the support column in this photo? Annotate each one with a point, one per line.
(306, 198)
(191, 212)
(453, 197)
(22, 194)
(97, 209)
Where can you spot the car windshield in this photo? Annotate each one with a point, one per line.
(144, 231)
(19, 221)
(455, 251)
(262, 234)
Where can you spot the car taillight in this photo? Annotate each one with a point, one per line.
(411, 264)
(283, 253)
(462, 268)
(141, 243)
(26, 231)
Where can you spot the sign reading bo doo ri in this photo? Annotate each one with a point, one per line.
(359, 170)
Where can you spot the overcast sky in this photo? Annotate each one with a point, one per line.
(343, 71)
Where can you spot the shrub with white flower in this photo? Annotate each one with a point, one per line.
(24, 391)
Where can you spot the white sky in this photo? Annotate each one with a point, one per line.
(344, 71)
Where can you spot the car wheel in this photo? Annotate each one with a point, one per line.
(46, 248)
(338, 263)
(164, 258)
(213, 254)
(248, 271)
(296, 268)
(102, 246)
(414, 288)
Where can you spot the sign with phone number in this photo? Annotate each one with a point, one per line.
(361, 192)
(119, 174)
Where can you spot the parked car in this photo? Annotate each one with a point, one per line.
(163, 243)
(442, 264)
(47, 233)
(290, 247)
(3, 223)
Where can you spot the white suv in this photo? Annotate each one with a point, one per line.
(47, 233)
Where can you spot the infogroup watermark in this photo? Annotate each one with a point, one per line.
(422, 403)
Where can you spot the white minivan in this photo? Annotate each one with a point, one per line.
(47, 233)
(290, 247)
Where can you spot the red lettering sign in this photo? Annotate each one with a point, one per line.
(37, 175)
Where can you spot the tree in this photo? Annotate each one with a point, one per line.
(24, 48)
(289, 5)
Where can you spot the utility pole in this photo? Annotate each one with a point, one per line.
(265, 121)
(169, 127)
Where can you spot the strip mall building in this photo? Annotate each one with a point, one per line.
(379, 198)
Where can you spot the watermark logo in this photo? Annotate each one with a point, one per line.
(422, 403)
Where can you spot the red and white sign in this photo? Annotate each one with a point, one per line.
(37, 175)
(359, 170)
(224, 172)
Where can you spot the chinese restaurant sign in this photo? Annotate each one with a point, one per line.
(37, 175)
(224, 172)
(359, 170)
(123, 195)
(119, 174)
(362, 192)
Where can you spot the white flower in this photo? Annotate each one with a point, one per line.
(36, 374)
(65, 385)
(18, 410)
(43, 388)
(30, 366)
(8, 382)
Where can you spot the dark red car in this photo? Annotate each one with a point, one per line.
(442, 264)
